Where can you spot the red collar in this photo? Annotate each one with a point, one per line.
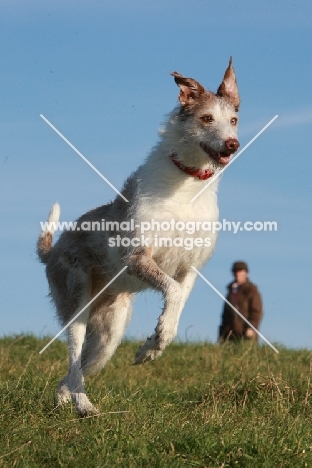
(202, 174)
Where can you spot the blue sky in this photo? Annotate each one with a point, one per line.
(99, 71)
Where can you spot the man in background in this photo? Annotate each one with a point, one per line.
(246, 298)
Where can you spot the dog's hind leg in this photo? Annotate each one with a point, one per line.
(75, 381)
(72, 386)
(105, 329)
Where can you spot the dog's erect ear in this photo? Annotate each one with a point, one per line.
(228, 87)
(189, 89)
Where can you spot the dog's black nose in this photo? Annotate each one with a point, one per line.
(232, 144)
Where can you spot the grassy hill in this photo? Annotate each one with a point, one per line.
(199, 405)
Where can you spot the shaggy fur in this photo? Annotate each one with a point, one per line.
(200, 133)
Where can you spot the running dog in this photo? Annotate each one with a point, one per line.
(196, 142)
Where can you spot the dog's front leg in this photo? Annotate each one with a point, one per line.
(167, 322)
(175, 294)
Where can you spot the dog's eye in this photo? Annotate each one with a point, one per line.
(207, 118)
(234, 121)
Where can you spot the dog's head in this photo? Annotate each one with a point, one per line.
(209, 120)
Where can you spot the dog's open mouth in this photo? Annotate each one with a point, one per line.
(220, 157)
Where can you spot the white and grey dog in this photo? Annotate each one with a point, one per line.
(197, 142)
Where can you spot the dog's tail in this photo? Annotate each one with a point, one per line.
(44, 244)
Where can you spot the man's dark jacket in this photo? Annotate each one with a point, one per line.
(247, 301)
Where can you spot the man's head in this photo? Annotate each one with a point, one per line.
(240, 272)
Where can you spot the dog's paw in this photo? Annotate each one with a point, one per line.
(62, 398)
(63, 394)
(83, 405)
(148, 351)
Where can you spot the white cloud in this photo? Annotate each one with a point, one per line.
(291, 118)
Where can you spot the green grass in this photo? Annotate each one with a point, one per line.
(199, 405)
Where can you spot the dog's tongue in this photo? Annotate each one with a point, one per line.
(221, 158)
(224, 159)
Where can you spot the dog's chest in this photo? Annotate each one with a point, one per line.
(180, 232)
